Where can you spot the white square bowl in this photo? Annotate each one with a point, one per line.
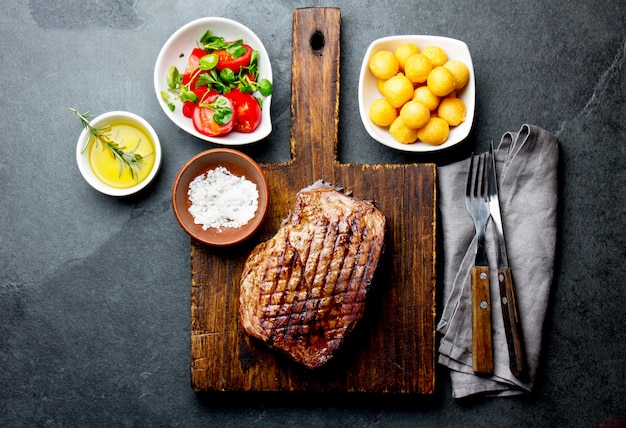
(368, 91)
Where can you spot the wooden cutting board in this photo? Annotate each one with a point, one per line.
(393, 347)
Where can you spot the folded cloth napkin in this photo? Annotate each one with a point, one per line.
(526, 165)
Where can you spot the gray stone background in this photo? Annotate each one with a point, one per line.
(94, 291)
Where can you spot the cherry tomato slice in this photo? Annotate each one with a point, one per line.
(204, 117)
(188, 109)
(247, 111)
(200, 91)
(235, 64)
(192, 64)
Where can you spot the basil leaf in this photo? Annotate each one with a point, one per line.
(219, 103)
(227, 75)
(188, 96)
(223, 114)
(236, 49)
(212, 43)
(236, 53)
(173, 77)
(245, 87)
(265, 87)
(204, 79)
(254, 57)
(205, 37)
(208, 62)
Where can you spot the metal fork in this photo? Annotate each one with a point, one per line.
(477, 200)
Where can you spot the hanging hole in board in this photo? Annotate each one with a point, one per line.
(317, 42)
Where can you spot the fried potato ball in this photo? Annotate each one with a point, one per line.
(436, 55)
(452, 110)
(384, 64)
(402, 133)
(414, 114)
(417, 68)
(435, 132)
(426, 97)
(459, 71)
(440, 81)
(382, 113)
(398, 90)
(404, 51)
(379, 85)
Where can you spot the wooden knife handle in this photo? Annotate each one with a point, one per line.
(512, 325)
(482, 352)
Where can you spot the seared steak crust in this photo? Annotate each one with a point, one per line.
(303, 290)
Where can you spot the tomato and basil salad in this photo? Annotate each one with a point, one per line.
(219, 87)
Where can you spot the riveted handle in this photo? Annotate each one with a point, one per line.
(482, 347)
(512, 324)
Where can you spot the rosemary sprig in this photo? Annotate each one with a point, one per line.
(129, 159)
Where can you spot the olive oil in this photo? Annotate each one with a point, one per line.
(109, 169)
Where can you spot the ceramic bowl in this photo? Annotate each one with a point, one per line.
(368, 92)
(83, 153)
(176, 51)
(238, 164)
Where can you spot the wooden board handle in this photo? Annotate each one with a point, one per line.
(315, 90)
(512, 324)
(482, 352)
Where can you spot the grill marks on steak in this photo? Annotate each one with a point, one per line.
(304, 290)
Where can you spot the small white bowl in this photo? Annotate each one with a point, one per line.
(82, 157)
(176, 52)
(368, 92)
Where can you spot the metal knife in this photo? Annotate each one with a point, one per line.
(508, 303)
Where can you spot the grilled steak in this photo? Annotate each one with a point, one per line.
(304, 290)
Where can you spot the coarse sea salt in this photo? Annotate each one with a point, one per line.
(220, 199)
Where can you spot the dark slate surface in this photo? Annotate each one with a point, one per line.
(94, 291)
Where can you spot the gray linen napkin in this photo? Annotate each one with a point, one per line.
(526, 162)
